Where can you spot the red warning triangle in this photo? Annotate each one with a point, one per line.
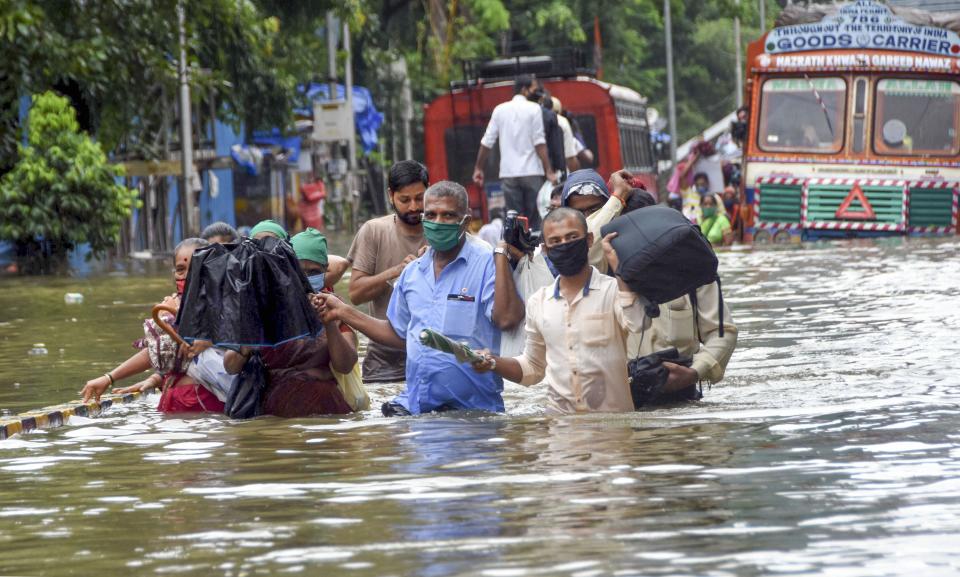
(866, 213)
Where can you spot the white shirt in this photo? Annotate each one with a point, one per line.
(531, 274)
(569, 142)
(518, 125)
(581, 346)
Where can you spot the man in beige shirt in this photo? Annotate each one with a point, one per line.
(576, 327)
(382, 248)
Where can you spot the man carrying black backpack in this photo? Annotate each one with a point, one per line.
(690, 323)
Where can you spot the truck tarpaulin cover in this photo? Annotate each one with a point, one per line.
(251, 293)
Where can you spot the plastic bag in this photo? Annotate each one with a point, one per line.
(252, 293)
(543, 198)
(245, 398)
(351, 386)
(207, 369)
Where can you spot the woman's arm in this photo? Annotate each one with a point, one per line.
(343, 355)
(336, 266)
(133, 366)
(233, 361)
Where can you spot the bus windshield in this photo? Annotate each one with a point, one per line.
(802, 115)
(916, 117)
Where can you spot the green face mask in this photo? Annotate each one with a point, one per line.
(442, 236)
(709, 211)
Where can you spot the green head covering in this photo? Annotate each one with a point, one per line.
(269, 226)
(310, 245)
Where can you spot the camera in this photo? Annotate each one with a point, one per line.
(517, 233)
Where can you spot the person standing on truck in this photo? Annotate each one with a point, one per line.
(524, 164)
(554, 135)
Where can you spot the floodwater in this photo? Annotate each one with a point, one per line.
(832, 447)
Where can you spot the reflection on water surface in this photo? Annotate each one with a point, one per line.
(832, 447)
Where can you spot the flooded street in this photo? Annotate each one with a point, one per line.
(832, 447)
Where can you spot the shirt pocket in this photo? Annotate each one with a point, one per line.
(596, 330)
(459, 318)
(681, 331)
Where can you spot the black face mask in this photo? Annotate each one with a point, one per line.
(570, 257)
(535, 96)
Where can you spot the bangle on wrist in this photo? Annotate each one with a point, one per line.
(109, 378)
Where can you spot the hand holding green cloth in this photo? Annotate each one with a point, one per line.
(444, 344)
(271, 227)
(310, 245)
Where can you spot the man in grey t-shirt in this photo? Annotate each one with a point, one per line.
(382, 248)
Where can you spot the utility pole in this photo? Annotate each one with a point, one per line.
(739, 46)
(763, 16)
(189, 220)
(671, 95)
(335, 193)
(351, 180)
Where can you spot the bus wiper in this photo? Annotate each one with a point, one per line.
(826, 115)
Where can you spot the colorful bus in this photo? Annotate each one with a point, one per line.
(854, 127)
(612, 118)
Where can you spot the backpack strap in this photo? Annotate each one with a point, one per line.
(696, 309)
(696, 313)
(720, 293)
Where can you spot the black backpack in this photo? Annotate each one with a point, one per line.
(663, 256)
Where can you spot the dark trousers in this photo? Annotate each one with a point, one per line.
(520, 194)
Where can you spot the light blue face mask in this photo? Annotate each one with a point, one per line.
(317, 281)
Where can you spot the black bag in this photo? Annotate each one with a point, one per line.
(663, 256)
(648, 377)
(244, 400)
(252, 293)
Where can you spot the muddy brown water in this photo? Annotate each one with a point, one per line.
(832, 447)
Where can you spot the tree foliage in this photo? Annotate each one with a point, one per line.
(116, 60)
(62, 189)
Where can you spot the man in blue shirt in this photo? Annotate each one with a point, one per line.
(459, 288)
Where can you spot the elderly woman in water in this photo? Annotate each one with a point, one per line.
(188, 386)
(301, 379)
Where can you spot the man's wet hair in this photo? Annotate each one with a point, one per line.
(193, 243)
(522, 81)
(405, 173)
(220, 228)
(563, 213)
(449, 189)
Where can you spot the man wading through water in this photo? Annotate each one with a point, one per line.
(460, 288)
(379, 253)
(576, 327)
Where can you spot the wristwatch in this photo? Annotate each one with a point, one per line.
(503, 251)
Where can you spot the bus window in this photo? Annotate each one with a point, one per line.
(803, 115)
(634, 136)
(859, 115)
(587, 125)
(916, 117)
